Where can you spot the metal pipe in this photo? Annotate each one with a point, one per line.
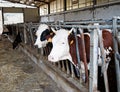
(86, 26)
(118, 56)
(104, 71)
(84, 54)
(93, 76)
(117, 66)
(67, 66)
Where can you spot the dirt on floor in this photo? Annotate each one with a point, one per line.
(20, 74)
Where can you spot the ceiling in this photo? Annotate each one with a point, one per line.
(36, 3)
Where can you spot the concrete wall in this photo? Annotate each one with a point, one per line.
(100, 12)
(31, 15)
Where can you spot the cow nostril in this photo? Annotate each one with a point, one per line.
(50, 57)
(35, 45)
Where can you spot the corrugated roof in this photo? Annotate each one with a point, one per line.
(4, 3)
(35, 3)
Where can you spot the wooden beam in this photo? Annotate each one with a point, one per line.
(42, 1)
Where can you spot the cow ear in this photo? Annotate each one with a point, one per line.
(53, 30)
(71, 30)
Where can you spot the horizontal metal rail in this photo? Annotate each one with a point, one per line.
(86, 26)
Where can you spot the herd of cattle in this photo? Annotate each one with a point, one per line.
(64, 45)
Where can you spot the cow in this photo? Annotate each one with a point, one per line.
(64, 47)
(44, 35)
(17, 40)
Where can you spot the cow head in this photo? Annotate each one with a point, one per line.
(43, 35)
(60, 50)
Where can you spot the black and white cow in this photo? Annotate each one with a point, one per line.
(44, 35)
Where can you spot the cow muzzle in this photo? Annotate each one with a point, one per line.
(52, 58)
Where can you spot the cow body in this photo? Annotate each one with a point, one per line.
(64, 47)
(43, 34)
(17, 40)
(108, 47)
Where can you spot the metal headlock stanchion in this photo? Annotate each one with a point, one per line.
(117, 65)
(104, 71)
(84, 55)
(95, 37)
(93, 51)
(93, 76)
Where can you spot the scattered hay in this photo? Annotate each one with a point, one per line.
(20, 74)
(10, 77)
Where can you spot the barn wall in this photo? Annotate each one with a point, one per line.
(100, 12)
(31, 15)
(107, 12)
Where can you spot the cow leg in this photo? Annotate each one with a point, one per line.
(82, 70)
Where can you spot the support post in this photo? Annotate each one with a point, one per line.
(104, 71)
(25, 36)
(93, 61)
(117, 66)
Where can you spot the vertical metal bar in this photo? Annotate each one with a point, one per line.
(72, 70)
(31, 35)
(67, 65)
(117, 66)
(93, 61)
(77, 49)
(59, 65)
(25, 36)
(63, 66)
(84, 54)
(78, 55)
(104, 71)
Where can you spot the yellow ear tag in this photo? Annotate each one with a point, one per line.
(51, 33)
(49, 40)
(71, 42)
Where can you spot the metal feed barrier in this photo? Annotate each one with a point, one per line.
(28, 37)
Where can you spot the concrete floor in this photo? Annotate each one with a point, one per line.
(20, 74)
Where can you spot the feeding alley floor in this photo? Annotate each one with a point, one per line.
(20, 74)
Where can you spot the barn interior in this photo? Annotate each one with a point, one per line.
(23, 63)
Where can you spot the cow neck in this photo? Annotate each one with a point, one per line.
(72, 44)
(107, 38)
(108, 42)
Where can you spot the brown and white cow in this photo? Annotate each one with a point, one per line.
(64, 47)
